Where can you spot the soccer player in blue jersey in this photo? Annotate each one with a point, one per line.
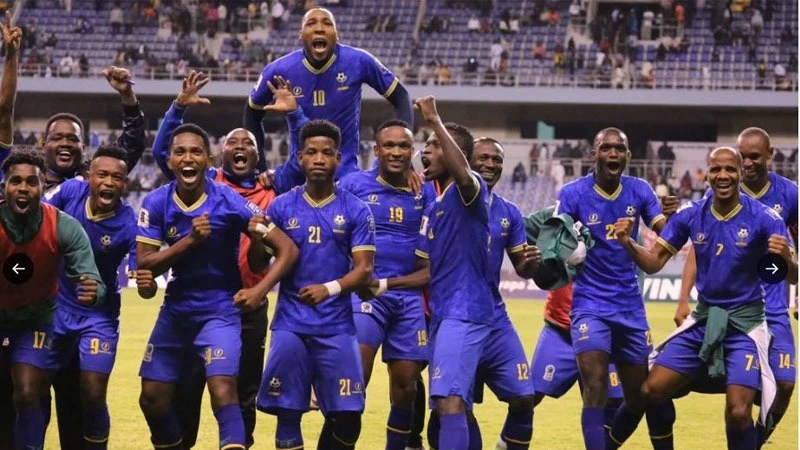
(326, 79)
(608, 316)
(313, 336)
(93, 333)
(728, 333)
(201, 222)
(395, 318)
(455, 238)
(780, 194)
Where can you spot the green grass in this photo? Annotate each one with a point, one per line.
(556, 425)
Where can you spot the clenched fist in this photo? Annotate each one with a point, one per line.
(87, 290)
(201, 228)
(623, 228)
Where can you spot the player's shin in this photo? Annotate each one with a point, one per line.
(231, 427)
(29, 431)
(434, 427)
(96, 428)
(345, 429)
(165, 431)
(475, 438)
(288, 434)
(420, 406)
(454, 432)
(398, 427)
(518, 429)
(625, 423)
(594, 436)
(660, 419)
(740, 438)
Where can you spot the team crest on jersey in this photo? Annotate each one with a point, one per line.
(418, 201)
(366, 307)
(504, 222)
(630, 210)
(105, 240)
(700, 238)
(148, 353)
(144, 218)
(777, 208)
(742, 235)
(341, 78)
(275, 387)
(583, 329)
(215, 354)
(549, 372)
(293, 224)
(172, 231)
(593, 219)
(297, 91)
(372, 199)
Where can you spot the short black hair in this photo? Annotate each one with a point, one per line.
(112, 151)
(23, 157)
(195, 129)
(462, 136)
(63, 116)
(392, 123)
(479, 140)
(324, 128)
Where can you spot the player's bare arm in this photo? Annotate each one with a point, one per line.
(358, 278)
(257, 258)
(415, 280)
(149, 257)
(649, 260)
(454, 158)
(669, 205)
(688, 279)
(12, 38)
(525, 260)
(121, 80)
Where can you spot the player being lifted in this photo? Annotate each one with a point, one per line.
(201, 222)
(395, 318)
(326, 79)
(92, 333)
(780, 194)
(37, 238)
(313, 337)
(607, 307)
(727, 333)
(455, 238)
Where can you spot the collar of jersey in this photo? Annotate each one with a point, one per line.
(98, 217)
(191, 208)
(321, 203)
(611, 196)
(728, 216)
(387, 184)
(759, 194)
(323, 68)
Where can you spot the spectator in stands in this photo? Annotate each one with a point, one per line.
(756, 22)
(787, 35)
(513, 25)
(472, 65)
(544, 158)
(31, 139)
(83, 64)
(698, 184)
(390, 24)
(443, 74)
(372, 23)
(277, 12)
(661, 51)
(554, 17)
(130, 17)
(680, 17)
(778, 159)
(661, 188)
(574, 9)
(706, 71)
(539, 51)
(667, 157)
(18, 137)
(473, 24)
(533, 159)
(558, 57)
(781, 83)
(684, 43)
(762, 71)
(519, 176)
(222, 17)
(65, 66)
(427, 73)
(83, 26)
(647, 25)
(495, 52)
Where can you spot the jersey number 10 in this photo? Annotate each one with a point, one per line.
(319, 98)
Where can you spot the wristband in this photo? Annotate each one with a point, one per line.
(333, 287)
(261, 229)
(383, 286)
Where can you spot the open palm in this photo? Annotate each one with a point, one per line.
(189, 95)
(282, 92)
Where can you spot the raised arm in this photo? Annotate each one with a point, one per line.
(132, 138)
(649, 260)
(149, 257)
(12, 37)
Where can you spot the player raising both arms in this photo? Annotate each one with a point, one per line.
(201, 222)
(727, 333)
(313, 337)
(780, 194)
(607, 307)
(37, 239)
(395, 318)
(326, 77)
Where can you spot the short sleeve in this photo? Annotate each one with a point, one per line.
(566, 205)
(362, 237)
(518, 238)
(132, 255)
(651, 206)
(275, 213)
(150, 220)
(260, 95)
(56, 196)
(773, 224)
(378, 76)
(422, 250)
(677, 230)
(793, 200)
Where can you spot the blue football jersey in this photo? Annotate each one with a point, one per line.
(327, 233)
(398, 215)
(608, 281)
(112, 235)
(727, 249)
(457, 234)
(205, 278)
(507, 231)
(332, 92)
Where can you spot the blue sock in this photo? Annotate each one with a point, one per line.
(610, 411)
(289, 434)
(231, 427)
(165, 431)
(96, 428)
(741, 439)
(594, 436)
(660, 419)
(434, 427)
(624, 425)
(518, 430)
(475, 438)
(325, 435)
(454, 433)
(398, 427)
(29, 432)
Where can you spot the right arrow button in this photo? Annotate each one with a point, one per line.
(772, 269)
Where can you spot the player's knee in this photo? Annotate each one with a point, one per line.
(346, 427)
(521, 405)
(223, 391)
(450, 405)
(595, 392)
(404, 390)
(738, 414)
(26, 395)
(651, 394)
(152, 403)
(93, 396)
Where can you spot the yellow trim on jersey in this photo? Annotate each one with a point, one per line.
(516, 249)
(191, 208)
(422, 254)
(99, 217)
(611, 196)
(4, 144)
(95, 441)
(514, 441)
(391, 89)
(321, 203)
(398, 431)
(656, 219)
(323, 68)
(386, 183)
(661, 437)
(667, 246)
(363, 248)
(760, 193)
(728, 216)
(147, 240)
(169, 445)
(610, 436)
(231, 446)
(295, 448)
(477, 191)
(254, 105)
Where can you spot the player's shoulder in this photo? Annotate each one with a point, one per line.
(286, 62)
(160, 194)
(578, 185)
(506, 204)
(288, 198)
(347, 197)
(348, 53)
(354, 182)
(785, 185)
(71, 188)
(758, 209)
(639, 185)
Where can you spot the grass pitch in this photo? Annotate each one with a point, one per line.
(700, 421)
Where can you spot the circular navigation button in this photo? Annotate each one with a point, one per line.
(18, 268)
(772, 268)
